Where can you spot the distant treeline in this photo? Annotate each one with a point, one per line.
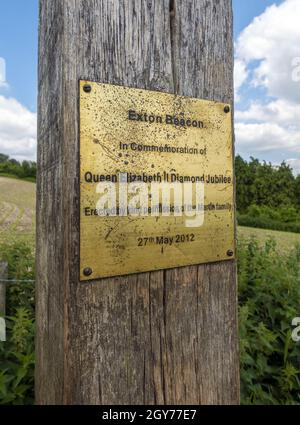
(267, 196)
(263, 184)
(12, 167)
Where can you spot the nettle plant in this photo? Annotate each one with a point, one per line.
(269, 294)
(17, 352)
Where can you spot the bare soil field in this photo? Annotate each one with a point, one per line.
(17, 209)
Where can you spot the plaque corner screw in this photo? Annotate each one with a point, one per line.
(230, 253)
(87, 271)
(227, 109)
(87, 88)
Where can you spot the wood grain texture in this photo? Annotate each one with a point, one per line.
(160, 337)
(3, 275)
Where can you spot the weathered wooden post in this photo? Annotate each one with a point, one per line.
(165, 336)
(3, 275)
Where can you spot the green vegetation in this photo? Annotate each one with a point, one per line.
(269, 294)
(284, 241)
(10, 167)
(17, 235)
(262, 184)
(267, 223)
(17, 353)
(268, 197)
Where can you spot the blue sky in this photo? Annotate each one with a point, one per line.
(245, 10)
(18, 46)
(19, 42)
(258, 93)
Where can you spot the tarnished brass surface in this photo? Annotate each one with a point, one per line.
(151, 134)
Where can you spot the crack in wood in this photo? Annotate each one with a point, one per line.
(183, 348)
(172, 17)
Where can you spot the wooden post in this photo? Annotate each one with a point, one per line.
(164, 337)
(3, 275)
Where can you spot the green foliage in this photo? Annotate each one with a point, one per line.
(283, 214)
(20, 257)
(267, 197)
(269, 294)
(11, 167)
(17, 353)
(297, 192)
(3, 158)
(244, 184)
(17, 359)
(263, 184)
(267, 223)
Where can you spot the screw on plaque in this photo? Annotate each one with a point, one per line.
(87, 88)
(87, 271)
(227, 109)
(230, 253)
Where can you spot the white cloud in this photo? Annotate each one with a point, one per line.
(278, 111)
(296, 69)
(273, 40)
(266, 137)
(17, 129)
(270, 50)
(240, 76)
(295, 164)
(3, 82)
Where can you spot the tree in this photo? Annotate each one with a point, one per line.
(3, 158)
(297, 191)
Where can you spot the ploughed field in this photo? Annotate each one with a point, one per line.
(17, 216)
(17, 209)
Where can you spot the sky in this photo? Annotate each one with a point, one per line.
(267, 79)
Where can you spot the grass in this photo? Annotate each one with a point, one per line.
(285, 241)
(12, 176)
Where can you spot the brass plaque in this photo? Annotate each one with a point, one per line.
(156, 181)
